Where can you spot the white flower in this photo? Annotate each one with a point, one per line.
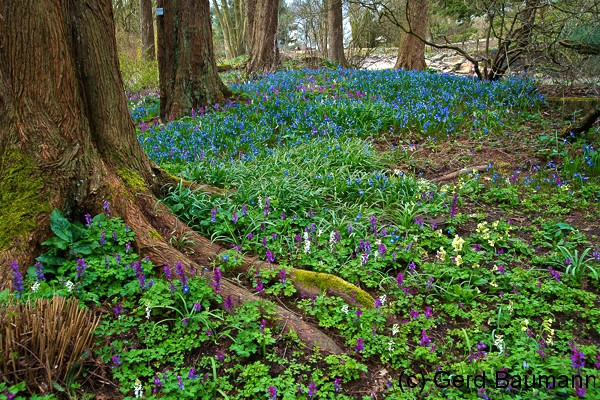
(364, 257)
(319, 232)
(499, 342)
(138, 389)
(383, 299)
(69, 286)
(331, 237)
(35, 287)
(395, 329)
(148, 310)
(345, 308)
(391, 345)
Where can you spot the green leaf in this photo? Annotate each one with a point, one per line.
(57, 242)
(50, 260)
(60, 225)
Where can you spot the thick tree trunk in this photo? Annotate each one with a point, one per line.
(147, 28)
(67, 141)
(336, 32)
(411, 51)
(262, 17)
(186, 62)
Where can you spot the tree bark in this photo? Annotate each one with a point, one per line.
(262, 17)
(186, 63)
(411, 50)
(336, 32)
(67, 141)
(147, 28)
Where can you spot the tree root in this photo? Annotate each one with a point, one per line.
(153, 223)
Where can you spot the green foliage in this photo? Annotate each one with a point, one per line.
(138, 73)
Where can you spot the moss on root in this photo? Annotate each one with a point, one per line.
(21, 201)
(133, 180)
(327, 282)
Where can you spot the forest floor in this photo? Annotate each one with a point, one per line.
(454, 204)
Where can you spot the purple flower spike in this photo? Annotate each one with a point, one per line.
(80, 268)
(360, 346)
(272, 393)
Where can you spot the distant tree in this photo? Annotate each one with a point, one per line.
(231, 18)
(335, 31)
(411, 49)
(311, 17)
(186, 63)
(263, 52)
(514, 32)
(147, 29)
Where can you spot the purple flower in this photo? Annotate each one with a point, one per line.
(105, 205)
(249, 236)
(102, 239)
(192, 374)
(282, 276)
(350, 228)
(118, 309)
(476, 247)
(267, 207)
(168, 272)
(358, 314)
(244, 210)
(114, 237)
(80, 268)
(260, 286)
(481, 393)
(425, 340)
(180, 382)
(577, 358)
(419, 221)
(453, 206)
(272, 393)
(554, 274)
(282, 215)
(378, 303)
(373, 223)
(412, 267)
(157, 383)
(360, 346)
(312, 389)
(39, 271)
(428, 313)
(127, 247)
(430, 283)
(400, 279)
(414, 314)
(217, 280)
(382, 250)
(88, 219)
(580, 391)
(234, 218)
(115, 360)
(228, 303)
(220, 355)
(337, 384)
(263, 323)
(213, 215)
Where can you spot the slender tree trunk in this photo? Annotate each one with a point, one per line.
(186, 62)
(147, 28)
(262, 17)
(67, 141)
(411, 51)
(336, 32)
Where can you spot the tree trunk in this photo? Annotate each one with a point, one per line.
(67, 141)
(186, 63)
(147, 28)
(411, 51)
(336, 32)
(262, 17)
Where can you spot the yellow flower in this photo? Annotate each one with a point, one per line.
(458, 260)
(524, 325)
(492, 242)
(441, 254)
(457, 243)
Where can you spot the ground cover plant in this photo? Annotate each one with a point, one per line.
(484, 284)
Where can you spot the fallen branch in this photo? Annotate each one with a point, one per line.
(584, 124)
(452, 175)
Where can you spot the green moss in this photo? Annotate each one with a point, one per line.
(133, 180)
(21, 201)
(326, 282)
(154, 234)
